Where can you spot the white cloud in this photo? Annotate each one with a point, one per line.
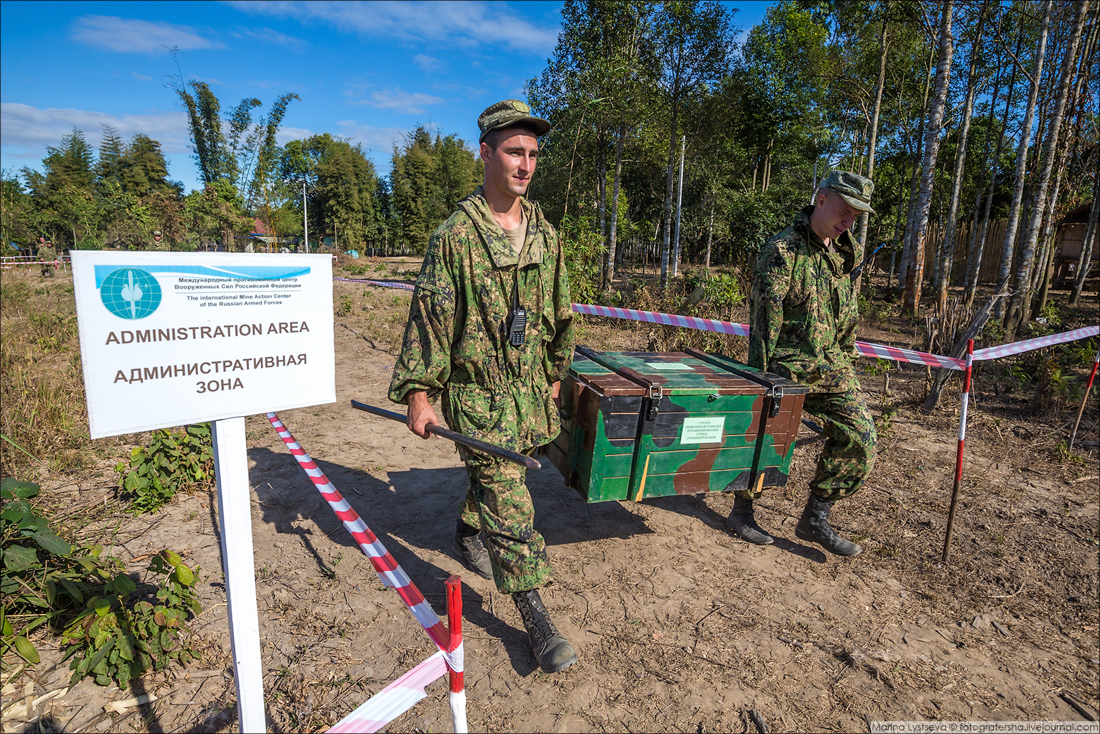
(141, 77)
(470, 23)
(272, 38)
(129, 35)
(427, 64)
(379, 140)
(398, 100)
(26, 131)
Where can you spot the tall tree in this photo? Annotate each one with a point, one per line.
(1009, 248)
(915, 275)
(694, 42)
(942, 275)
(1021, 300)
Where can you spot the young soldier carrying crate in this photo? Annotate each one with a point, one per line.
(803, 315)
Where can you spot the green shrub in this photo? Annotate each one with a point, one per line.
(121, 633)
(117, 632)
(171, 462)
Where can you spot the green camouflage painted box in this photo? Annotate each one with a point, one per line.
(641, 424)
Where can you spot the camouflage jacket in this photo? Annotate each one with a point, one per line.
(803, 309)
(47, 253)
(456, 342)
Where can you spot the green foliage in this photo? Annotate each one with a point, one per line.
(121, 633)
(46, 582)
(430, 176)
(344, 307)
(583, 252)
(172, 462)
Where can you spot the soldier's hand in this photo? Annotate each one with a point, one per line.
(420, 414)
(555, 394)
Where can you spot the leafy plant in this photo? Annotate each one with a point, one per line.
(171, 462)
(29, 590)
(117, 638)
(344, 307)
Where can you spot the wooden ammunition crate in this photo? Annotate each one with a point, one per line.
(642, 424)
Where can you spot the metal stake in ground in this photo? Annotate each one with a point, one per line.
(959, 456)
(473, 443)
(1084, 399)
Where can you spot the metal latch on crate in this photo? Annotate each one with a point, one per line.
(776, 394)
(656, 393)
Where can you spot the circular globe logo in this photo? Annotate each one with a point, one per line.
(130, 293)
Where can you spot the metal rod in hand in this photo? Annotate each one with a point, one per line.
(473, 443)
(1084, 399)
(962, 441)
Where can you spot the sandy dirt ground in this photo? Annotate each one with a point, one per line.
(678, 625)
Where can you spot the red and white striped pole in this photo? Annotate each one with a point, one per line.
(962, 440)
(1084, 399)
(457, 695)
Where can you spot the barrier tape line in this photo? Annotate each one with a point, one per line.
(866, 349)
(379, 283)
(393, 700)
(388, 569)
(1004, 350)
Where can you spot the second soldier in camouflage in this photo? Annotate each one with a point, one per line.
(803, 315)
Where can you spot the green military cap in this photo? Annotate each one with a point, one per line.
(853, 188)
(509, 112)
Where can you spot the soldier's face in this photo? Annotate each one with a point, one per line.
(833, 216)
(509, 168)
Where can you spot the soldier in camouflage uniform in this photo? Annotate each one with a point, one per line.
(497, 379)
(47, 255)
(159, 243)
(803, 315)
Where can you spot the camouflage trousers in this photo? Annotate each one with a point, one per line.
(498, 502)
(849, 453)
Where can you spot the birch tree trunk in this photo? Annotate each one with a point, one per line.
(1084, 260)
(914, 185)
(976, 264)
(942, 276)
(1021, 301)
(1049, 235)
(915, 276)
(612, 245)
(1009, 248)
(865, 219)
(670, 178)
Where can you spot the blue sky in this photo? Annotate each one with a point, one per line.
(366, 71)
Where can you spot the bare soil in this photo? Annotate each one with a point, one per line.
(679, 626)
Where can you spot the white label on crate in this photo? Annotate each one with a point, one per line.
(668, 366)
(702, 430)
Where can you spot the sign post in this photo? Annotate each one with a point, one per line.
(170, 339)
(238, 564)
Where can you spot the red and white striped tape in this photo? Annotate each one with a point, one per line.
(379, 283)
(727, 327)
(865, 349)
(1004, 350)
(389, 570)
(393, 700)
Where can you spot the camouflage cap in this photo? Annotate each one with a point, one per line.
(156, 232)
(853, 188)
(506, 113)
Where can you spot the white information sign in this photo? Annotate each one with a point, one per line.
(702, 430)
(171, 338)
(671, 366)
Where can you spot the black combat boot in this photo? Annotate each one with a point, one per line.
(814, 527)
(471, 551)
(742, 522)
(552, 651)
